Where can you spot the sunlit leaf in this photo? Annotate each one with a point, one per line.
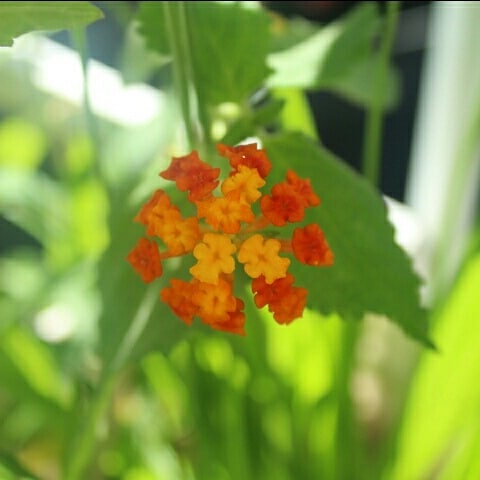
(22, 144)
(441, 418)
(34, 202)
(287, 32)
(228, 43)
(329, 54)
(10, 469)
(229, 47)
(17, 18)
(311, 341)
(36, 363)
(152, 26)
(338, 57)
(371, 272)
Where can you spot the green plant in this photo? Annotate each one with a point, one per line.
(130, 391)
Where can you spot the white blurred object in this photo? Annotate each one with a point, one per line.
(58, 70)
(55, 323)
(443, 178)
(410, 235)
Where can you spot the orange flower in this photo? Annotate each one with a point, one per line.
(180, 235)
(215, 303)
(310, 247)
(214, 255)
(145, 259)
(260, 257)
(283, 299)
(225, 214)
(243, 185)
(157, 197)
(226, 230)
(289, 307)
(303, 189)
(179, 298)
(265, 292)
(159, 214)
(247, 155)
(235, 322)
(193, 175)
(284, 205)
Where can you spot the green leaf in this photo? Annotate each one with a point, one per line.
(36, 364)
(329, 54)
(34, 202)
(134, 321)
(339, 58)
(371, 272)
(441, 418)
(228, 43)
(10, 469)
(286, 32)
(151, 25)
(22, 144)
(17, 18)
(254, 120)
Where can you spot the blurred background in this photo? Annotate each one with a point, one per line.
(196, 406)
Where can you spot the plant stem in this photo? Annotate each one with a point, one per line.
(136, 328)
(87, 438)
(346, 451)
(372, 145)
(348, 456)
(183, 71)
(81, 453)
(79, 41)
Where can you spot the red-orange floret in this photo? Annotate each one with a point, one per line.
(285, 301)
(236, 320)
(225, 214)
(193, 175)
(303, 189)
(283, 206)
(159, 197)
(145, 260)
(265, 292)
(248, 155)
(290, 306)
(179, 298)
(310, 246)
(215, 302)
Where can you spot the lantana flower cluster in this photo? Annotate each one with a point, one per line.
(235, 224)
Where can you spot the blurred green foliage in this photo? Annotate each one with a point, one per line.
(99, 380)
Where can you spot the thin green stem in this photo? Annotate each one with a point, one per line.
(346, 451)
(348, 456)
(136, 328)
(183, 70)
(80, 453)
(372, 145)
(79, 41)
(87, 438)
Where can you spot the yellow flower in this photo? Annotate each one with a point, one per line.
(180, 236)
(260, 257)
(244, 185)
(225, 214)
(215, 302)
(214, 255)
